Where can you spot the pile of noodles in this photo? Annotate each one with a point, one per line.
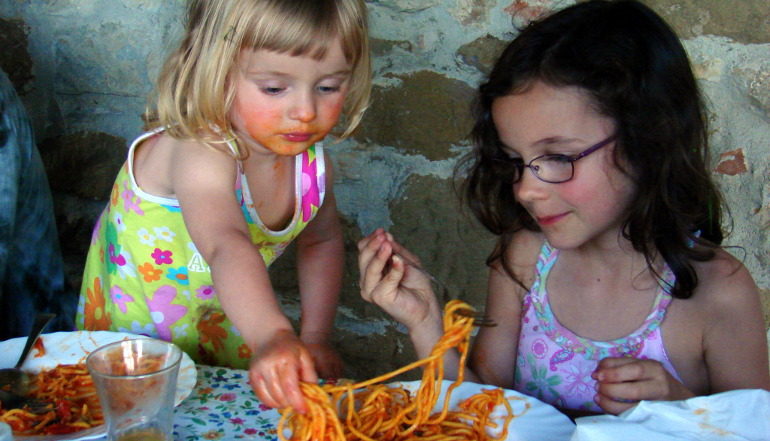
(370, 410)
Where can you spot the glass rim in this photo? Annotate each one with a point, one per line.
(176, 360)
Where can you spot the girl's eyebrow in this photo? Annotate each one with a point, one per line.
(276, 73)
(546, 142)
(554, 140)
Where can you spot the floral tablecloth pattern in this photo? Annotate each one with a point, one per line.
(222, 406)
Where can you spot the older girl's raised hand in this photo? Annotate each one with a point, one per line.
(621, 382)
(402, 291)
(277, 369)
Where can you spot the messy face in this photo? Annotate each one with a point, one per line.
(283, 103)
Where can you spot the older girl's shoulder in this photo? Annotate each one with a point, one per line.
(725, 282)
(521, 254)
(524, 247)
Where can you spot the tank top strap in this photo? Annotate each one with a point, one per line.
(545, 262)
(309, 191)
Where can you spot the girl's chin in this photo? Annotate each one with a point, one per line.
(283, 149)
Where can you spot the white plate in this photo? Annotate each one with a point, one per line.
(541, 422)
(73, 348)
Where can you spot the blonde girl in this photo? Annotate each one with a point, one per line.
(230, 171)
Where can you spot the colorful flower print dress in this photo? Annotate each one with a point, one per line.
(144, 274)
(555, 365)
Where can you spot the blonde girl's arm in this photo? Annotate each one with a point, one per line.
(320, 264)
(735, 344)
(203, 180)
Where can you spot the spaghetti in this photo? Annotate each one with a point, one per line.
(74, 403)
(372, 411)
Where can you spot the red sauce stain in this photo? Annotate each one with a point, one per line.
(40, 348)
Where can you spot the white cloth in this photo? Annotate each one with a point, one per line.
(740, 415)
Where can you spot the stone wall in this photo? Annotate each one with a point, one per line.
(84, 67)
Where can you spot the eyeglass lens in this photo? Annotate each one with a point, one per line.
(553, 169)
(550, 168)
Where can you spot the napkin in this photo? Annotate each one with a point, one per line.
(739, 415)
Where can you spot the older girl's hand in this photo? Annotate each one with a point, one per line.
(621, 382)
(402, 291)
(277, 369)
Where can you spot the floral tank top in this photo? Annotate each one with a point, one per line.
(144, 274)
(555, 365)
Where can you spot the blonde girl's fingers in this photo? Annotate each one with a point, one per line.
(337, 368)
(290, 390)
(307, 370)
(262, 391)
(281, 387)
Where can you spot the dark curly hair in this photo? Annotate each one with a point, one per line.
(636, 70)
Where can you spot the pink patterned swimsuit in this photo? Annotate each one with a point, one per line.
(555, 365)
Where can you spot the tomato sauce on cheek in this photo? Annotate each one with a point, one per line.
(264, 126)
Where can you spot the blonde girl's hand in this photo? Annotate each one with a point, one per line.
(327, 360)
(400, 290)
(278, 367)
(621, 382)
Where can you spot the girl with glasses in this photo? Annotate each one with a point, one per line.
(608, 283)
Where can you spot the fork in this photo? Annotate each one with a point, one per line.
(14, 379)
(479, 319)
(9, 400)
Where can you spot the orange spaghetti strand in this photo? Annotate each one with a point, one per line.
(372, 411)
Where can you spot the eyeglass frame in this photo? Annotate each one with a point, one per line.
(571, 159)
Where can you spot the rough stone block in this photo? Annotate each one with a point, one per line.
(425, 115)
(84, 164)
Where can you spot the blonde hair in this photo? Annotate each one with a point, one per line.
(192, 96)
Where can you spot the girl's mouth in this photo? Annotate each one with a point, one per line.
(550, 220)
(298, 136)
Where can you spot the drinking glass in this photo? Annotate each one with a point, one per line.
(136, 383)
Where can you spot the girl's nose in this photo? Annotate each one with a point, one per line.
(529, 187)
(303, 108)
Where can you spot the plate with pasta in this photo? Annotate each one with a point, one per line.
(57, 367)
(432, 408)
(532, 419)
